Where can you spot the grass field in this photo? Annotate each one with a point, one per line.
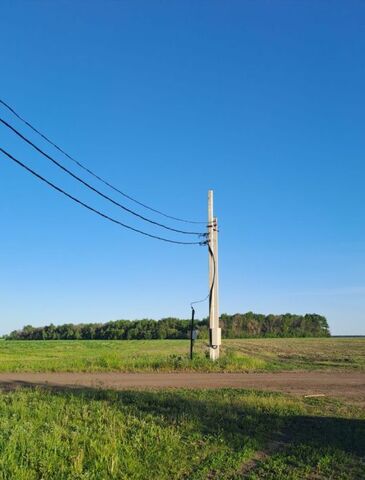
(57, 434)
(172, 355)
(158, 435)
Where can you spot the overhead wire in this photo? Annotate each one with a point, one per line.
(108, 184)
(86, 184)
(98, 212)
(211, 253)
(210, 293)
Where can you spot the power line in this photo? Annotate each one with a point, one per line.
(98, 212)
(210, 293)
(94, 174)
(86, 184)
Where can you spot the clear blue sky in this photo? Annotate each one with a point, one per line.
(262, 101)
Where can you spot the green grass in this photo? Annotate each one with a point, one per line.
(171, 355)
(178, 434)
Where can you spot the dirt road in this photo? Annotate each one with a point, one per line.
(348, 385)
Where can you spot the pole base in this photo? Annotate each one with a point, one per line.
(214, 353)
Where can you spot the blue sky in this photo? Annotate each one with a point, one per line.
(261, 101)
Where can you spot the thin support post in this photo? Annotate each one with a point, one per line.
(192, 333)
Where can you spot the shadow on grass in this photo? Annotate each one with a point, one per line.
(223, 413)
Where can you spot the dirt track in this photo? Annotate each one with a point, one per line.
(348, 385)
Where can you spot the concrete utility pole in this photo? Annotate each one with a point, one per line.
(214, 330)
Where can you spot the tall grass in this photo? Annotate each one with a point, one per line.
(177, 434)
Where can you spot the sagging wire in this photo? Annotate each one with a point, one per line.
(210, 293)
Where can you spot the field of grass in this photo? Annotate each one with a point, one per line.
(172, 355)
(178, 434)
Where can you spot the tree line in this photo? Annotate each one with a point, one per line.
(244, 325)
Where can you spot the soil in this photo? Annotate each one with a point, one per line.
(345, 385)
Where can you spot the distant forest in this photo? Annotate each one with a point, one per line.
(233, 326)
